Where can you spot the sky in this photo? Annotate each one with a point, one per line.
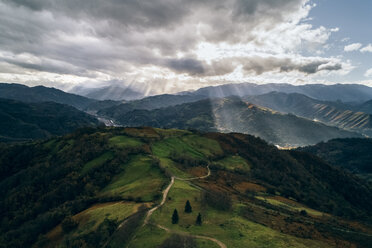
(166, 46)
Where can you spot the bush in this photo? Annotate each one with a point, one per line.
(218, 200)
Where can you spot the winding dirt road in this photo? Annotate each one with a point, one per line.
(165, 195)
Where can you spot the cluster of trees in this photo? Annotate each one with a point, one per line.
(217, 199)
(188, 209)
(185, 159)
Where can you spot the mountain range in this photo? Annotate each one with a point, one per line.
(285, 119)
(112, 92)
(337, 92)
(230, 115)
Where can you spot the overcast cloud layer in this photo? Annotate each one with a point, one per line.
(163, 45)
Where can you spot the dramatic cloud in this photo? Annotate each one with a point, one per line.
(367, 49)
(352, 47)
(169, 45)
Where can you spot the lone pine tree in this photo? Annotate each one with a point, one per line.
(198, 220)
(175, 217)
(188, 208)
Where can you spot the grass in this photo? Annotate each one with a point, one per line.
(97, 162)
(232, 163)
(92, 217)
(190, 145)
(290, 205)
(171, 167)
(139, 180)
(148, 237)
(151, 236)
(227, 227)
(124, 142)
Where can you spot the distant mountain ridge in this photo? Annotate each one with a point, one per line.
(232, 115)
(343, 92)
(24, 93)
(24, 121)
(111, 92)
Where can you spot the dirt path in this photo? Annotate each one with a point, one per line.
(195, 178)
(165, 195)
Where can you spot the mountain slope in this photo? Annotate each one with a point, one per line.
(94, 187)
(232, 115)
(365, 107)
(42, 94)
(343, 92)
(330, 113)
(148, 103)
(351, 154)
(23, 121)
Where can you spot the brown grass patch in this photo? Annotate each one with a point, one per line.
(247, 186)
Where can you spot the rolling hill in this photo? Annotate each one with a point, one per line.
(330, 113)
(24, 93)
(230, 115)
(115, 187)
(24, 121)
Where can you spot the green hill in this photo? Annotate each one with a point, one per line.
(24, 121)
(94, 188)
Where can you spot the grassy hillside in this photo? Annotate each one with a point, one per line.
(94, 188)
(232, 115)
(25, 121)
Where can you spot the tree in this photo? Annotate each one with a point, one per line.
(175, 217)
(198, 220)
(188, 208)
